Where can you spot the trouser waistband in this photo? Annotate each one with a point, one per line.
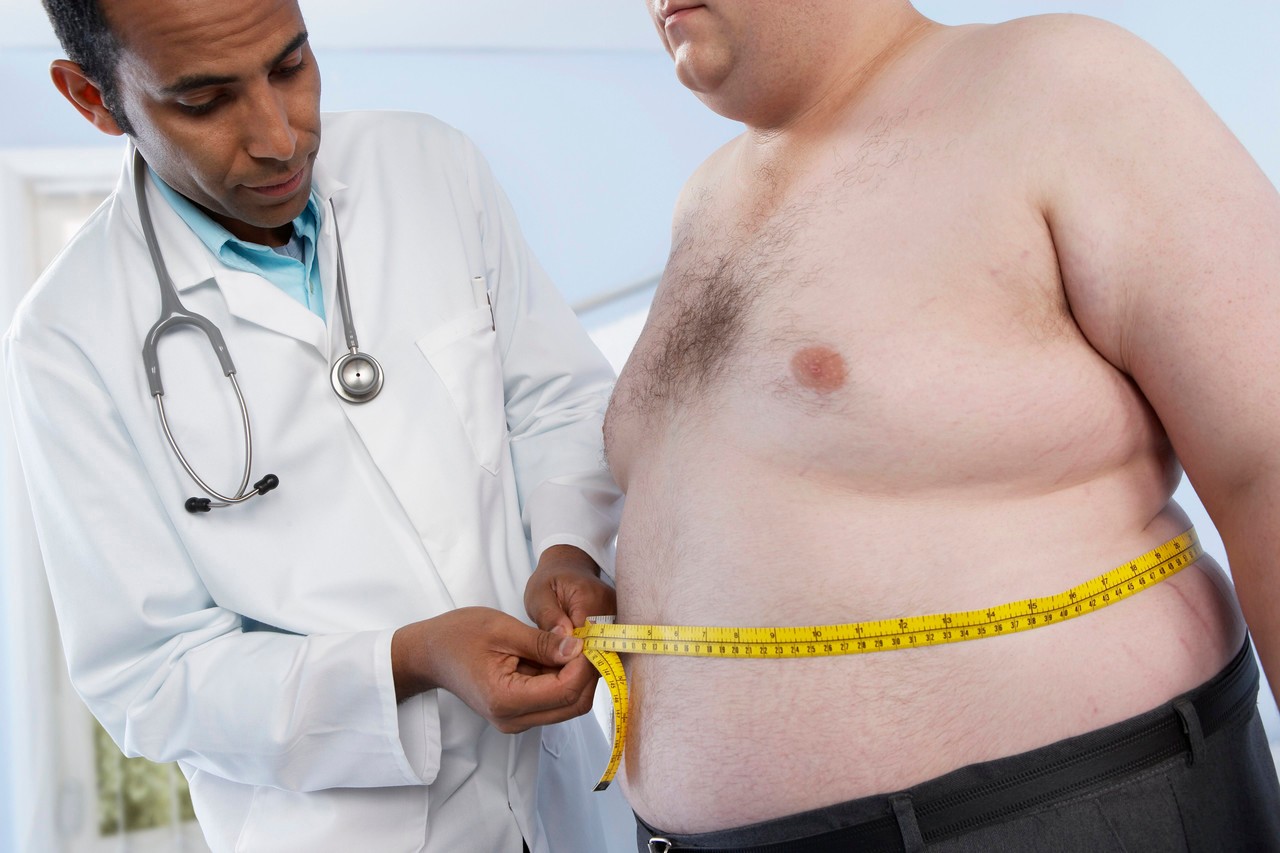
(975, 796)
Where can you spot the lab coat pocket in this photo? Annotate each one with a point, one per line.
(335, 819)
(555, 738)
(464, 354)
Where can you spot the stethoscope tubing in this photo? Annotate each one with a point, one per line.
(364, 383)
(241, 493)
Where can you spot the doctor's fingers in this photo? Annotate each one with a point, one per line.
(548, 648)
(542, 699)
(590, 597)
(566, 601)
(544, 604)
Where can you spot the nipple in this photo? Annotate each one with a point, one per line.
(820, 368)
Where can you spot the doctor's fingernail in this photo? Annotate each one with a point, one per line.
(570, 647)
(558, 629)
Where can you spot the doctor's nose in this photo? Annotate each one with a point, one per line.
(270, 135)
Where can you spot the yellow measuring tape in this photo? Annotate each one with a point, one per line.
(603, 640)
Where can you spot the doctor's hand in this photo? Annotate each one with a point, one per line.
(514, 676)
(565, 589)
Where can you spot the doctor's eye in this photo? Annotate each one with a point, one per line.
(293, 64)
(203, 108)
(288, 71)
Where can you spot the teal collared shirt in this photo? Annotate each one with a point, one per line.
(292, 268)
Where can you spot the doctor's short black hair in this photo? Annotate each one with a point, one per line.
(87, 39)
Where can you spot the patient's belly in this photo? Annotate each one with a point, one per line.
(719, 743)
(822, 474)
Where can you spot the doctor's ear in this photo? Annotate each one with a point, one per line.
(84, 95)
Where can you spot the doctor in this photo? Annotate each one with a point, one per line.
(333, 662)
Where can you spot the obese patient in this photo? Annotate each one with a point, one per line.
(939, 330)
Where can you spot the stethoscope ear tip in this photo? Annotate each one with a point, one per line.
(266, 484)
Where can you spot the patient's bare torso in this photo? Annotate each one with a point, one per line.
(861, 394)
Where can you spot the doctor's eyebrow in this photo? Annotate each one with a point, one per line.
(200, 81)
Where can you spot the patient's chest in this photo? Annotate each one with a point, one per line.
(887, 338)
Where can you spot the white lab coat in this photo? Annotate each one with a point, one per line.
(251, 644)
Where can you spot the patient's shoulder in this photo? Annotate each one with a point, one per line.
(1064, 59)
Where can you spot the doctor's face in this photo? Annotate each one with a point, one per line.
(224, 99)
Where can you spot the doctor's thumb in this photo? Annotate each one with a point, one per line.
(557, 646)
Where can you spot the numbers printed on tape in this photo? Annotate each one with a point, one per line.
(603, 641)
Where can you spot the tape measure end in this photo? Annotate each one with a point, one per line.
(603, 786)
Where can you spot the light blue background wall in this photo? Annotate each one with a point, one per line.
(583, 120)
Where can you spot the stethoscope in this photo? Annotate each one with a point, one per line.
(356, 376)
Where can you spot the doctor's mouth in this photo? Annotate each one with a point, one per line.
(281, 189)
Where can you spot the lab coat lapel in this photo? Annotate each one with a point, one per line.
(380, 423)
(256, 300)
(394, 427)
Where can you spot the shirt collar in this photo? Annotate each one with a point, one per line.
(215, 237)
(191, 269)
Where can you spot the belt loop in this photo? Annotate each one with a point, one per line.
(659, 845)
(904, 811)
(1191, 728)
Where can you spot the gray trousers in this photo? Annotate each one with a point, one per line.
(1193, 775)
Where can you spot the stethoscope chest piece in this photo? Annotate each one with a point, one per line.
(357, 377)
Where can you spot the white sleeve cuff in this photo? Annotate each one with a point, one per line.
(412, 725)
